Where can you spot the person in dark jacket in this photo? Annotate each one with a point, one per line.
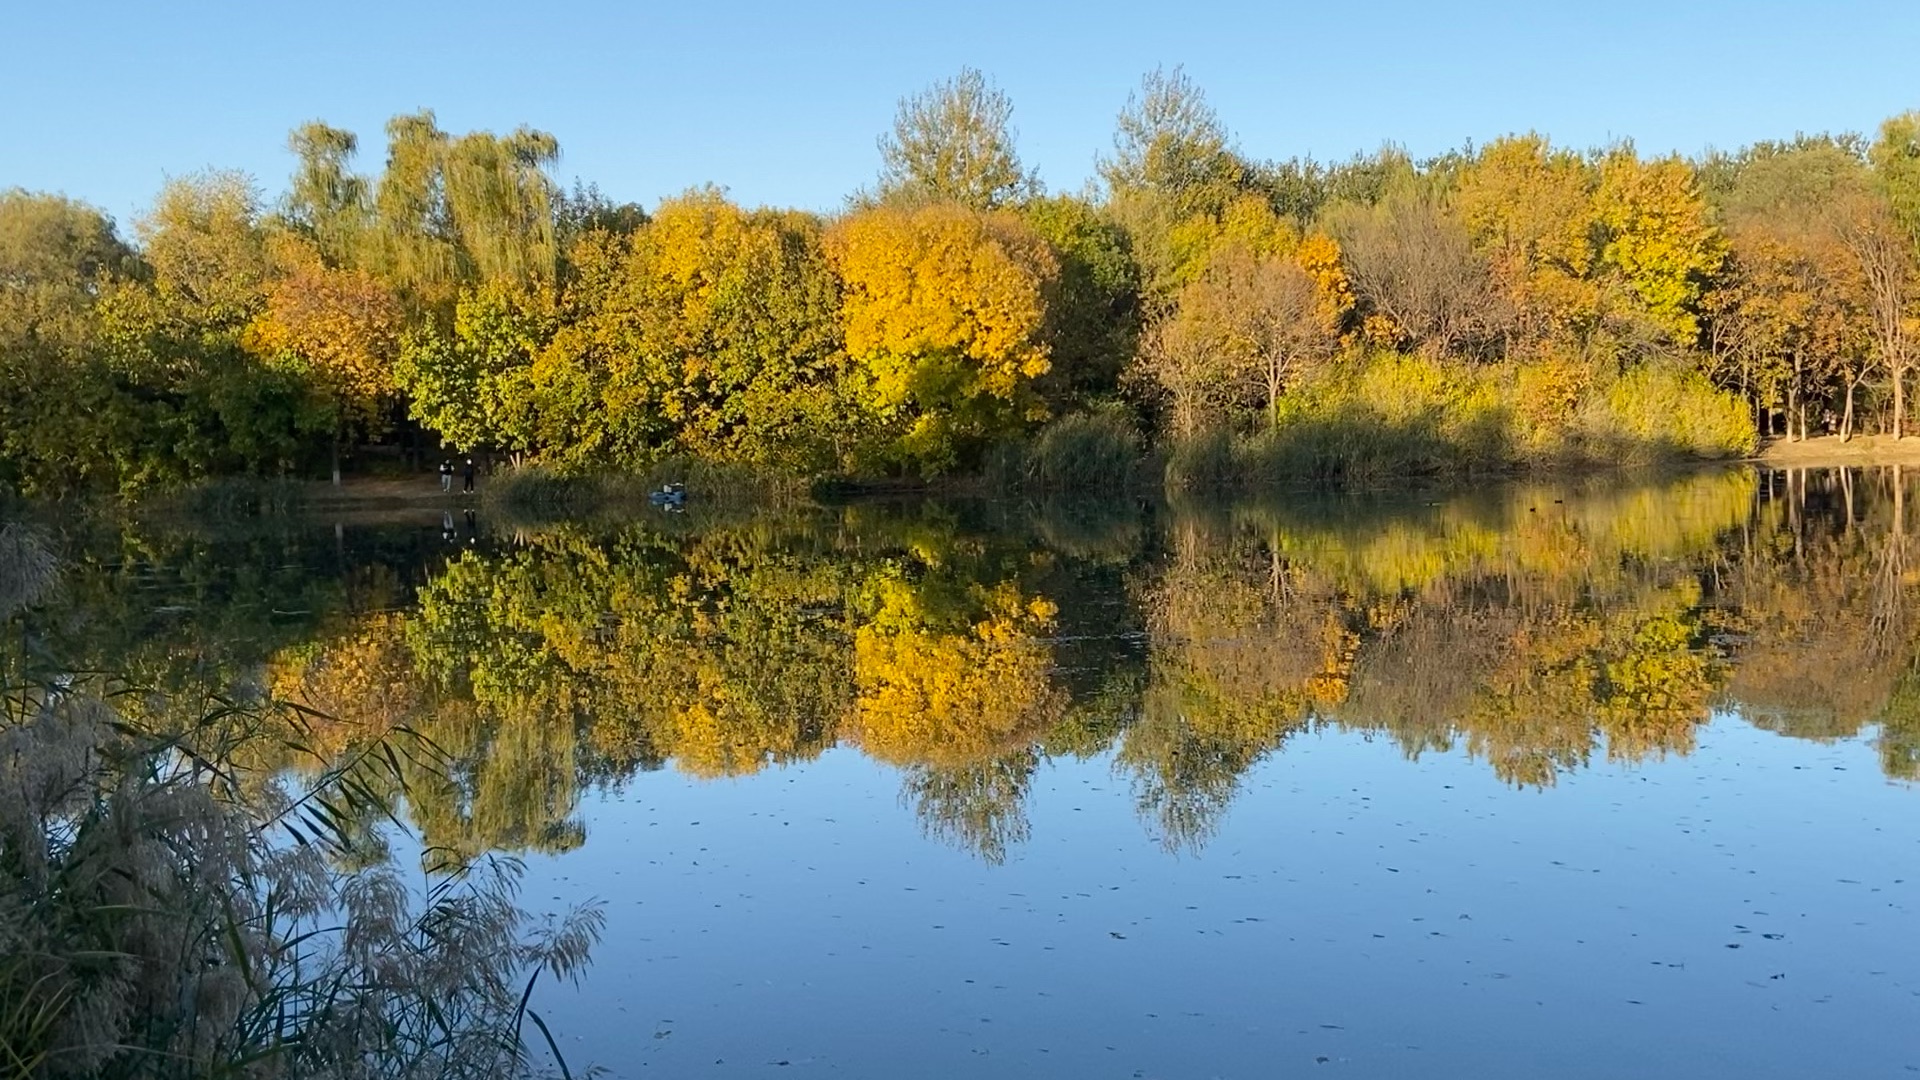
(446, 477)
(468, 477)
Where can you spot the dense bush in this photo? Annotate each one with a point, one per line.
(1388, 414)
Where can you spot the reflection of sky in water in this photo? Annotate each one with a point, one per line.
(1744, 911)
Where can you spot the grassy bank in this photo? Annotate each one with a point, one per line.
(536, 493)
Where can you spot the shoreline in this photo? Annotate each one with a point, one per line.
(388, 495)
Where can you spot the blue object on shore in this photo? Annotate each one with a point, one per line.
(671, 497)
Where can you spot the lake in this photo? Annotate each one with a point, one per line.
(1596, 778)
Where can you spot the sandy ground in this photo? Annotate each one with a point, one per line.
(1829, 450)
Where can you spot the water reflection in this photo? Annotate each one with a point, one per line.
(1541, 627)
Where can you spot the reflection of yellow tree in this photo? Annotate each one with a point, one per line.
(1534, 627)
(1799, 602)
(1245, 652)
(1572, 674)
(1655, 679)
(942, 682)
(359, 684)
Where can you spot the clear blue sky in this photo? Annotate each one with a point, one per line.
(781, 102)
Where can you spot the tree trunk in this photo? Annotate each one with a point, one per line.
(1899, 403)
(1795, 409)
(1846, 417)
(336, 459)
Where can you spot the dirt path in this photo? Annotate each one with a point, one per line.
(1830, 451)
(423, 490)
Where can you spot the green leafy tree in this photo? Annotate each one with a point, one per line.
(472, 385)
(954, 142)
(1094, 315)
(1172, 161)
(56, 387)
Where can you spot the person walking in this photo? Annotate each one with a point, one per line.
(468, 478)
(446, 477)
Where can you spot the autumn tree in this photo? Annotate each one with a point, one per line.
(1786, 316)
(339, 331)
(954, 142)
(1885, 254)
(1528, 210)
(1262, 317)
(943, 311)
(1656, 236)
(711, 331)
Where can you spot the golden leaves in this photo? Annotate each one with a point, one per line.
(339, 328)
(929, 692)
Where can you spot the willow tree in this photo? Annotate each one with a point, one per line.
(954, 142)
(327, 201)
(476, 209)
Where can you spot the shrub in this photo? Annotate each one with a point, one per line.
(1204, 462)
(1656, 412)
(1090, 451)
(1369, 418)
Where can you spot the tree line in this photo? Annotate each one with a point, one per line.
(1510, 303)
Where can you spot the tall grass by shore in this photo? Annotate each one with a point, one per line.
(1395, 416)
(174, 905)
(1084, 452)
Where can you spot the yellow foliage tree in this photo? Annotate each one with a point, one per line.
(1659, 238)
(943, 311)
(1529, 210)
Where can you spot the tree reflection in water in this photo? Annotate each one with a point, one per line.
(1539, 627)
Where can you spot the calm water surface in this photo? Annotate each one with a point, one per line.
(1609, 779)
